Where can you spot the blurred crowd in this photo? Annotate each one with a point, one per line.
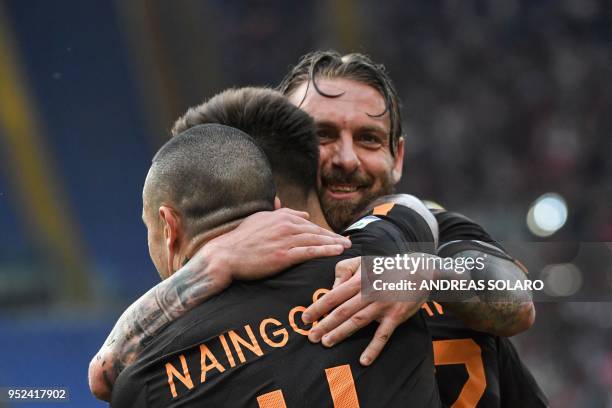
(505, 101)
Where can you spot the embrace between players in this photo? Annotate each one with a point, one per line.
(231, 323)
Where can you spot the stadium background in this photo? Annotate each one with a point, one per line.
(502, 102)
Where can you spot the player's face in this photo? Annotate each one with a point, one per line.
(356, 164)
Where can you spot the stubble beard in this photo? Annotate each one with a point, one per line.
(341, 213)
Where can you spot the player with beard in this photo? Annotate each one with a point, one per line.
(356, 109)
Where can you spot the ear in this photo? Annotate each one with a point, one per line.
(172, 227)
(398, 166)
(277, 203)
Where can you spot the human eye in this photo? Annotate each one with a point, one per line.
(325, 135)
(370, 140)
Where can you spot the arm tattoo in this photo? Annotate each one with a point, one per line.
(138, 325)
(490, 310)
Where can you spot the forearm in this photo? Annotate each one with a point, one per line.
(184, 290)
(498, 312)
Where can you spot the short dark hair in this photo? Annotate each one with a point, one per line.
(283, 131)
(358, 67)
(200, 172)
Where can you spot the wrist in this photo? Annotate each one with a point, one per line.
(217, 261)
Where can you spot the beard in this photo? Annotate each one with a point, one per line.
(341, 213)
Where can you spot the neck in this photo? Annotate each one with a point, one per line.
(313, 207)
(295, 199)
(310, 204)
(194, 244)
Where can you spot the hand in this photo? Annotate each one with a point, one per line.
(268, 242)
(351, 313)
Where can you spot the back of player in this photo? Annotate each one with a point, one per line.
(248, 347)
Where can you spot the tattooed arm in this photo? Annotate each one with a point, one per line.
(263, 244)
(503, 313)
(184, 290)
(497, 312)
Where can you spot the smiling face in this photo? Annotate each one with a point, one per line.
(356, 164)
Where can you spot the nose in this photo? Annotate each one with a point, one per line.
(345, 156)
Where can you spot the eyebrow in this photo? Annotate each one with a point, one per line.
(371, 128)
(325, 123)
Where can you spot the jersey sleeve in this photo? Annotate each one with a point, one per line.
(418, 230)
(374, 235)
